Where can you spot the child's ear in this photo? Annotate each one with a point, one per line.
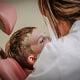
(31, 59)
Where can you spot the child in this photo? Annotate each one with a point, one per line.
(24, 46)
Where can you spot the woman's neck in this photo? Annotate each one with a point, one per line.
(64, 27)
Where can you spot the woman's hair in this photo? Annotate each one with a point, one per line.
(18, 48)
(60, 12)
(69, 9)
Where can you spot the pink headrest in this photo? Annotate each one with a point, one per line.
(8, 17)
(11, 70)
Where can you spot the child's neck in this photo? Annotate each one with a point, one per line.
(27, 71)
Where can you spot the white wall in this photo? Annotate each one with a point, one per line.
(28, 14)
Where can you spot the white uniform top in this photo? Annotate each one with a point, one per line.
(60, 58)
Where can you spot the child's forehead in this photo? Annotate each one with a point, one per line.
(37, 31)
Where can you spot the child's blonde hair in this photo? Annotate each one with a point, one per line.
(17, 49)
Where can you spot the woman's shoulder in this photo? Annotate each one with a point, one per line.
(76, 23)
(75, 26)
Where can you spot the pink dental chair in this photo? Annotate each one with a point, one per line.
(9, 68)
(8, 17)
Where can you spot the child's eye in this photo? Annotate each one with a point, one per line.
(41, 40)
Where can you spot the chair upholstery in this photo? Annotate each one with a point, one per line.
(11, 70)
(8, 17)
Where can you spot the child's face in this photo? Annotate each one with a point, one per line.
(37, 41)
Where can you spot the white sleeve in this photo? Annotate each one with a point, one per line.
(67, 65)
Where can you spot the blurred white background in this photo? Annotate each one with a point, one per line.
(28, 14)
